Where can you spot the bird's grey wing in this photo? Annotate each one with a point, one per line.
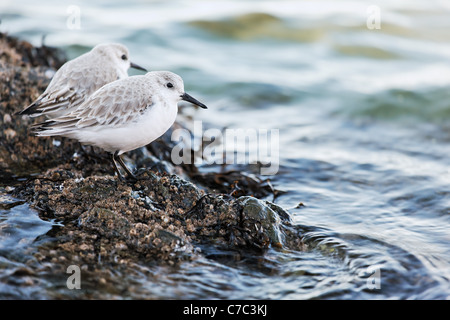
(115, 104)
(70, 87)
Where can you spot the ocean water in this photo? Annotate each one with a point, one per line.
(359, 93)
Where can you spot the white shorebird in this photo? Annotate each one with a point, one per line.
(123, 115)
(79, 78)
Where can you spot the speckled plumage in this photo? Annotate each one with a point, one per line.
(79, 78)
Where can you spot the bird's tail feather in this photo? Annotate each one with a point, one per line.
(31, 109)
(57, 127)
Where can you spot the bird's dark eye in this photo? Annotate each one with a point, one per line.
(169, 85)
(124, 57)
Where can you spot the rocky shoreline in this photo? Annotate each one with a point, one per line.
(166, 215)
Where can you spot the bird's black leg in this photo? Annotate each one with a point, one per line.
(129, 173)
(113, 158)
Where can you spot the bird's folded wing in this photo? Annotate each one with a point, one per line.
(62, 99)
(70, 87)
(115, 104)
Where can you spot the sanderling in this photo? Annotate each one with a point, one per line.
(79, 78)
(123, 115)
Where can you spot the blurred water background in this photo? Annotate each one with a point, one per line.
(362, 105)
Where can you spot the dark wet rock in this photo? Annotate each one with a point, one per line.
(25, 72)
(162, 216)
(22, 53)
(159, 217)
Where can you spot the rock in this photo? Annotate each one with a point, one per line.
(22, 79)
(159, 217)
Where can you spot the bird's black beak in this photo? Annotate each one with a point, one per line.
(135, 66)
(191, 99)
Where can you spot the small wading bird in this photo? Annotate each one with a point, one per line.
(79, 78)
(123, 115)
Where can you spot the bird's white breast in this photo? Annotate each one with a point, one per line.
(151, 124)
